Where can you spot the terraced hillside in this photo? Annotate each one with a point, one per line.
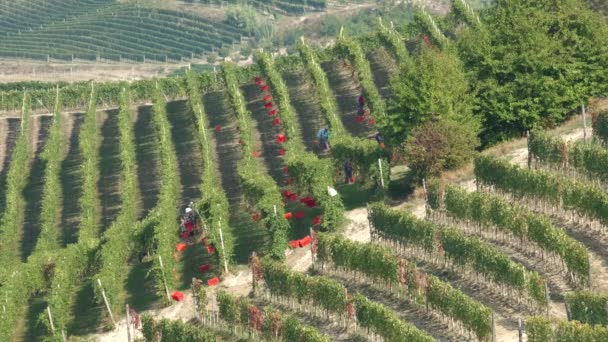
(82, 242)
(107, 29)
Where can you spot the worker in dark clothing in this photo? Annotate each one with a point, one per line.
(379, 138)
(361, 104)
(348, 172)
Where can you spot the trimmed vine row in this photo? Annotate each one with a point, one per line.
(379, 263)
(364, 153)
(117, 240)
(258, 186)
(50, 216)
(590, 159)
(74, 260)
(12, 219)
(165, 238)
(541, 329)
(165, 330)
(214, 203)
(270, 323)
(332, 296)
(310, 173)
(455, 245)
(88, 144)
(585, 199)
(587, 307)
(395, 44)
(351, 49)
(490, 210)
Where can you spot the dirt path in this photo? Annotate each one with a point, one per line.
(249, 235)
(346, 88)
(109, 167)
(9, 131)
(148, 159)
(71, 178)
(308, 109)
(383, 66)
(187, 149)
(33, 188)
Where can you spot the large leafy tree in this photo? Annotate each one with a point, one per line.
(433, 86)
(533, 62)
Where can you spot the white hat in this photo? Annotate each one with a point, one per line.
(188, 210)
(331, 191)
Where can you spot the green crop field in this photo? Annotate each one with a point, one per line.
(108, 30)
(95, 175)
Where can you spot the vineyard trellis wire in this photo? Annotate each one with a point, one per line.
(488, 210)
(407, 230)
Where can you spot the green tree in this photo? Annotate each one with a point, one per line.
(434, 86)
(438, 145)
(533, 63)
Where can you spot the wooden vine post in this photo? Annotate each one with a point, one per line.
(48, 310)
(584, 123)
(493, 327)
(195, 300)
(528, 144)
(162, 271)
(312, 252)
(589, 270)
(380, 168)
(520, 330)
(105, 300)
(223, 248)
(129, 339)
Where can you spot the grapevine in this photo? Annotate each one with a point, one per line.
(378, 263)
(310, 173)
(461, 249)
(214, 202)
(491, 210)
(259, 187)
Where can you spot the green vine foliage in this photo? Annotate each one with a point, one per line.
(380, 264)
(350, 49)
(385, 323)
(310, 174)
(175, 331)
(170, 192)
(589, 158)
(235, 310)
(492, 210)
(70, 267)
(53, 154)
(395, 44)
(586, 199)
(542, 329)
(16, 179)
(428, 26)
(117, 241)
(600, 126)
(214, 203)
(18, 283)
(467, 13)
(29, 278)
(88, 144)
(258, 186)
(539, 329)
(76, 95)
(323, 291)
(460, 248)
(588, 307)
(547, 148)
(331, 296)
(364, 153)
(74, 261)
